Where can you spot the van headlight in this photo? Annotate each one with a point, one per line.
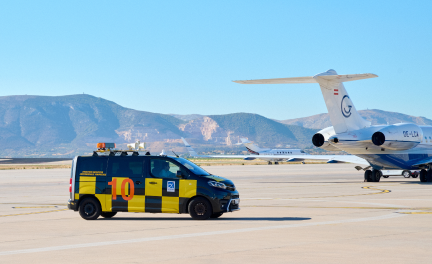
(217, 184)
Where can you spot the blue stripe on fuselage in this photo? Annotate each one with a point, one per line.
(395, 161)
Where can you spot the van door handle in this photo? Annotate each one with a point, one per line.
(153, 182)
(138, 182)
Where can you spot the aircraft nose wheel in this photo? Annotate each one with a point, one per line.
(269, 163)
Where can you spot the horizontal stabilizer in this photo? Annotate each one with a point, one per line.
(294, 160)
(311, 79)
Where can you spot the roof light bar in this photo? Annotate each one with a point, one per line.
(104, 146)
(110, 148)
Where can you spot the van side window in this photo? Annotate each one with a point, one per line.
(90, 166)
(125, 167)
(161, 168)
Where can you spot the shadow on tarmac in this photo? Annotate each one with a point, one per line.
(219, 219)
(310, 182)
(418, 183)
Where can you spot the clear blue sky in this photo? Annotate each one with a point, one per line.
(181, 56)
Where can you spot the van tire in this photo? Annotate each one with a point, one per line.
(216, 215)
(108, 214)
(89, 208)
(200, 208)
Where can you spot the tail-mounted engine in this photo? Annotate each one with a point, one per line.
(398, 137)
(320, 139)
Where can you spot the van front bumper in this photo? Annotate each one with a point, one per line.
(72, 205)
(233, 205)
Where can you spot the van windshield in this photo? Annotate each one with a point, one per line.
(192, 167)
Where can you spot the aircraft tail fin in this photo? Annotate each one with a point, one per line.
(190, 149)
(252, 148)
(343, 115)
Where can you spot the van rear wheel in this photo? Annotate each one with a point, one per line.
(200, 208)
(90, 209)
(108, 214)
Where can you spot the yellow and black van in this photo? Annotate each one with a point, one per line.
(102, 185)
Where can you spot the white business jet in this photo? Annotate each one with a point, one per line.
(399, 146)
(255, 150)
(269, 155)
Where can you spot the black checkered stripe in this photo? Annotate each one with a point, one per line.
(150, 195)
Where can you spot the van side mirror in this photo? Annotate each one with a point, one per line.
(179, 174)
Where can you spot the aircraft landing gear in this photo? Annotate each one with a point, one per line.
(429, 175)
(376, 175)
(372, 176)
(423, 173)
(368, 176)
(270, 163)
(276, 163)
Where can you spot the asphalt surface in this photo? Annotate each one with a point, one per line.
(318, 213)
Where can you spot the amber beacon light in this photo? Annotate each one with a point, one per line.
(104, 146)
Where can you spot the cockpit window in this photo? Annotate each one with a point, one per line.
(192, 167)
(301, 151)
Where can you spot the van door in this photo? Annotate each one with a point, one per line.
(126, 184)
(91, 178)
(162, 186)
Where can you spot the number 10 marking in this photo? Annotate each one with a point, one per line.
(113, 183)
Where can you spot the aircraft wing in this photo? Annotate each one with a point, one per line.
(293, 158)
(424, 161)
(335, 158)
(194, 154)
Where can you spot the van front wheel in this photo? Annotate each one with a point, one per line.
(108, 214)
(200, 208)
(216, 215)
(90, 209)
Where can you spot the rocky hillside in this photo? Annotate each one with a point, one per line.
(64, 126)
(228, 129)
(377, 117)
(69, 125)
(40, 124)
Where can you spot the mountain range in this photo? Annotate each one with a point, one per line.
(64, 126)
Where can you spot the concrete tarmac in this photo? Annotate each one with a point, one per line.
(318, 213)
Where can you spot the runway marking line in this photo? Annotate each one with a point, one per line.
(42, 212)
(415, 212)
(351, 207)
(211, 233)
(35, 207)
(345, 195)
